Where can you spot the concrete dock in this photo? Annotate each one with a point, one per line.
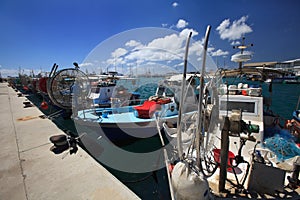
(29, 170)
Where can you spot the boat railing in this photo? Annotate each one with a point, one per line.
(117, 106)
(250, 91)
(117, 102)
(113, 110)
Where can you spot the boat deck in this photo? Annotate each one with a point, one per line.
(267, 174)
(126, 116)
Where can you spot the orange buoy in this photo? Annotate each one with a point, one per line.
(171, 167)
(44, 105)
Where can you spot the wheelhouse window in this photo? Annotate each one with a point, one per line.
(248, 107)
(95, 90)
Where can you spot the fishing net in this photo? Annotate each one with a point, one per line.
(283, 146)
(61, 86)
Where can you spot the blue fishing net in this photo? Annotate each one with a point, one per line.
(282, 145)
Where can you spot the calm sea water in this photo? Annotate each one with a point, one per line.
(285, 99)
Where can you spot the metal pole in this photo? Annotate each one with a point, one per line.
(224, 153)
(298, 103)
(200, 118)
(166, 159)
(179, 146)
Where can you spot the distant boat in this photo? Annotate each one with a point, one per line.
(295, 80)
(284, 80)
(287, 79)
(269, 80)
(102, 89)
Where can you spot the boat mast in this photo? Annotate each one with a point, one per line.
(200, 118)
(242, 47)
(180, 151)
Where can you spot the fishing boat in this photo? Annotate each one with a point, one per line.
(128, 117)
(104, 90)
(228, 147)
(186, 181)
(251, 149)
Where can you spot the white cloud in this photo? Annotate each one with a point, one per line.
(234, 30)
(171, 42)
(175, 4)
(117, 56)
(164, 24)
(196, 48)
(223, 26)
(85, 64)
(185, 32)
(167, 50)
(219, 52)
(210, 49)
(132, 43)
(119, 52)
(115, 61)
(235, 43)
(181, 23)
(169, 47)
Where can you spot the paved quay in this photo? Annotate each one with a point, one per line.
(30, 171)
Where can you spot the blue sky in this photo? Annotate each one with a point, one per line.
(35, 34)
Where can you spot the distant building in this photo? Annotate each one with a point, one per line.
(289, 67)
(260, 65)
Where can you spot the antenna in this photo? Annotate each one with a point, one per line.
(242, 47)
